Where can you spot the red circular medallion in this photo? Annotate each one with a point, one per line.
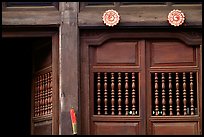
(111, 17)
(176, 17)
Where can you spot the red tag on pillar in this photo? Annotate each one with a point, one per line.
(74, 121)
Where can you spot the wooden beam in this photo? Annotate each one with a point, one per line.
(140, 15)
(30, 17)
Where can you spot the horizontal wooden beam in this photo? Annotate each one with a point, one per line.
(92, 16)
(30, 17)
(141, 16)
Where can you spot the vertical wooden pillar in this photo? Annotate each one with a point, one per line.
(68, 70)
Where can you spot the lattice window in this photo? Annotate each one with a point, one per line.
(43, 94)
(116, 93)
(174, 93)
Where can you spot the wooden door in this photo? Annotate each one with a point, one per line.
(41, 115)
(32, 92)
(173, 82)
(130, 85)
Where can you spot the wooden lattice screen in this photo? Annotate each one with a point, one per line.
(43, 94)
(116, 93)
(174, 93)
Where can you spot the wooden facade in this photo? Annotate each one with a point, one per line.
(140, 77)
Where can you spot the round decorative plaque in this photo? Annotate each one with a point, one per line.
(111, 17)
(176, 17)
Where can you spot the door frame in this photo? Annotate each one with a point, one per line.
(89, 38)
(33, 31)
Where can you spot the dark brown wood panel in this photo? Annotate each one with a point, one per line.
(117, 52)
(171, 54)
(175, 128)
(116, 128)
(43, 128)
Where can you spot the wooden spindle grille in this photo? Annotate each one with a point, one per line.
(119, 94)
(174, 93)
(163, 96)
(177, 95)
(98, 94)
(43, 94)
(156, 95)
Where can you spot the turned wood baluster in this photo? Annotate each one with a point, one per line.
(99, 93)
(126, 93)
(41, 95)
(46, 93)
(35, 96)
(133, 94)
(156, 95)
(112, 94)
(184, 93)
(50, 93)
(38, 96)
(163, 96)
(177, 95)
(105, 93)
(170, 96)
(191, 93)
(51, 85)
(119, 93)
(43, 75)
(48, 88)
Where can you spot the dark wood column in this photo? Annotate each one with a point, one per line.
(68, 71)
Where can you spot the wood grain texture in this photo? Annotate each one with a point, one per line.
(116, 128)
(140, 15)
(165, 54)
(175, 128)
(31, 18)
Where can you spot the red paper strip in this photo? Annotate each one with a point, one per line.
(74, 121)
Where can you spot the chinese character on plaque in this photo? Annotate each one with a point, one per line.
(111, 17)
(176, 17)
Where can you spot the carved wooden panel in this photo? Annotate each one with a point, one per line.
(116, 128)
(175, 128)
(171, 54)
(117, 53)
